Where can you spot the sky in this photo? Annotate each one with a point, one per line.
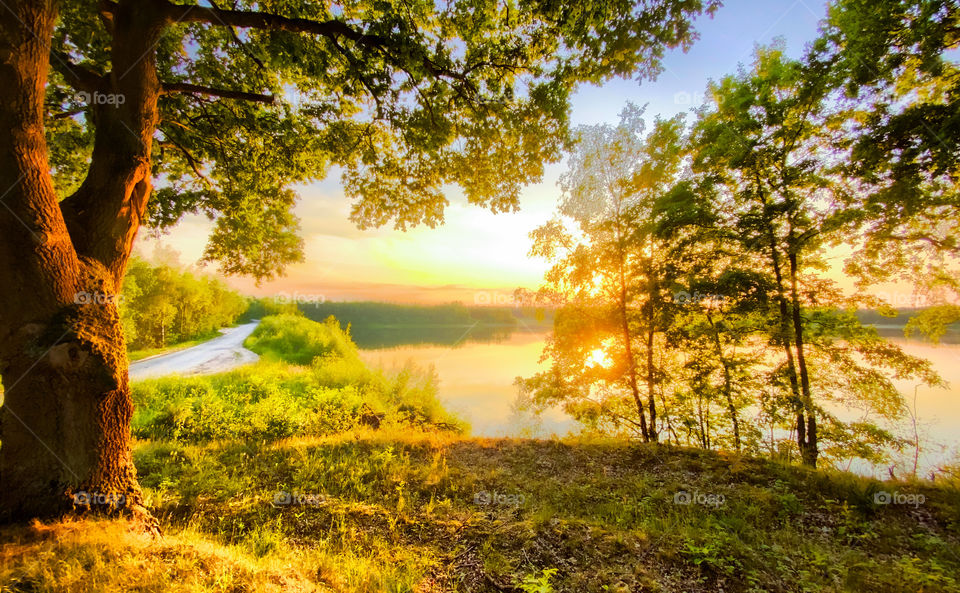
(478, 257)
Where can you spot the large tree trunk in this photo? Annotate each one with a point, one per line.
(65, 420)
(66, 413)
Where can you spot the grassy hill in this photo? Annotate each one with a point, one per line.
(425, 511)
(257, 489)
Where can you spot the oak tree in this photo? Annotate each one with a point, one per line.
(223, 109)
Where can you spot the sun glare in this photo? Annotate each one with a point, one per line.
(598, 358)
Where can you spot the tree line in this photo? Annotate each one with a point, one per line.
(162, 305)
(398, 314)
(691, 259)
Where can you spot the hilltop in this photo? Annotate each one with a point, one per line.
(383, 511)
(309, 471)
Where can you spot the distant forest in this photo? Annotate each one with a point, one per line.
(389, 325)
(166, 304)
(876, 317)
(392, 314)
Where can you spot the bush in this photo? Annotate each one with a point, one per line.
(273, 400)
(295, 339)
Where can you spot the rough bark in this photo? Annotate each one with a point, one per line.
(65, 420)
(66, 414)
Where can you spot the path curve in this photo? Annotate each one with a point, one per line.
(214, 356)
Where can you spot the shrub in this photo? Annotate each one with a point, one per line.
(297, 340)
(272, 400)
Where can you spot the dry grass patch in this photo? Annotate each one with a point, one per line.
(81, 555)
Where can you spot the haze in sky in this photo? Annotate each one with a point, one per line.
(478, 256)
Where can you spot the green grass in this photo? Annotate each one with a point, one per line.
(326, 391)
(398, 510)
(266, 478)
(270, 401)
(401, 510)
(74, 556)
(296, 339)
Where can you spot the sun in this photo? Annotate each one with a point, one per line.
(598, 358)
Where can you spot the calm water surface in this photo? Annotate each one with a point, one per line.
(477, 382)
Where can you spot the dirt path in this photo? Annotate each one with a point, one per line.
(215, 356)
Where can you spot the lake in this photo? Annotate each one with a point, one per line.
(476, 380)
(477, 370)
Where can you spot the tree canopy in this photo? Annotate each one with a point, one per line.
(894, 68)
(758, 349)
(401, 98)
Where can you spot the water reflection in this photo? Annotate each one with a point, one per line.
(476, 381)
(450, 336)
(477, 367)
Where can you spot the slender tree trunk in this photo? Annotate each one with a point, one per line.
(632, 372)
(787, 346)
(700, 422)
(810, 452)
(727, 383)
(667, 421)
(652, 290)
(65, 420)
(628, 339)
(651, 386)
(785, 322)
(163, 330)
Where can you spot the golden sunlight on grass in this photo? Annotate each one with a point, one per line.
(80, 555)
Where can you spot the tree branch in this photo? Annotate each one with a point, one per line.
(243, 46)
(262, 20)
(332, 29)
(186, 87)
(191, 160)
(77, 76)
(66, 114)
